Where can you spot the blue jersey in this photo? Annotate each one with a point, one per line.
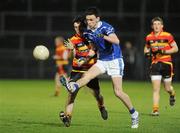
(106, 50)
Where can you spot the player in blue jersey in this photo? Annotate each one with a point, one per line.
(109, 60)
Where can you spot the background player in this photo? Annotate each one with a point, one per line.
(110, 60)
(84, 58)
(160, 45)
(62, 64)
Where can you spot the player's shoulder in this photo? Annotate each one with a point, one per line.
(105, 24)
(165, 33)
(106, 28)
(76, 39)
(149, 35)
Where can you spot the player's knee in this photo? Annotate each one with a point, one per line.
(156, 90)
(167, 86)
(168, 89)
(118, 93)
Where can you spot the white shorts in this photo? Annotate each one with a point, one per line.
(159, 77)
(114, 68)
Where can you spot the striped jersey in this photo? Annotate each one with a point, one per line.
(162, 41)
(81, 49)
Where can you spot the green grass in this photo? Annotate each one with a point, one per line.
(29, 107)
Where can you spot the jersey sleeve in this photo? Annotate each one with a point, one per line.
(170, 39)
(109, 30)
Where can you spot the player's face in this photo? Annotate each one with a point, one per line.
(58, 42)
(92, 21)
(76, 27)
(157, 26)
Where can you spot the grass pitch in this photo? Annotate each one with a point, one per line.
(29, 107)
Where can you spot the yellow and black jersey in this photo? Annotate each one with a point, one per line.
(162, 42)
(82, 48)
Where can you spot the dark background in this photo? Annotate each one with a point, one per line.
(27, 23)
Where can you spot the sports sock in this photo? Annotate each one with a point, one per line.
(172, 93)
(132, 111)
(155, 108)
(76, 86)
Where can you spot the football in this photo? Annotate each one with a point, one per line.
(41, 52)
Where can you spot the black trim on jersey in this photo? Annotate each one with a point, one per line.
(157, 41)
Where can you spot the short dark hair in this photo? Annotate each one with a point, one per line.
(92, 11)
(80, 19)
(157, 19)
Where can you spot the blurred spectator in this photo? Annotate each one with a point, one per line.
(129, 54)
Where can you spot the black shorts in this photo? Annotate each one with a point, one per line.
(163, 69)
(93, 84)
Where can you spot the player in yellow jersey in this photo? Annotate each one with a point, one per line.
(160, 45)
(61, 58)
(84, 58)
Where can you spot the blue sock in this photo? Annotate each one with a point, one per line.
(132, 111)
(76, 86)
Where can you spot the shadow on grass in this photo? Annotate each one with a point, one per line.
(57, 124)
(40, 123)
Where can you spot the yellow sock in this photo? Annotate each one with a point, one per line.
(68, 114)
(173, 93)
(155, 108)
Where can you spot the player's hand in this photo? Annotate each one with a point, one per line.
(158, 51)
(68, 44)
(161, 51)
(81, 61)
(100, 35)
(148, 55)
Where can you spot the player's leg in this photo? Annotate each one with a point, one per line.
(169, 88)
(60, 71)
(67, 115)
(117, 86)
(115, 69)
(93, 72)
(156, 84)
(167, 80)
(57, 84)
(94, 86)
(118, 91)
(156, 76)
